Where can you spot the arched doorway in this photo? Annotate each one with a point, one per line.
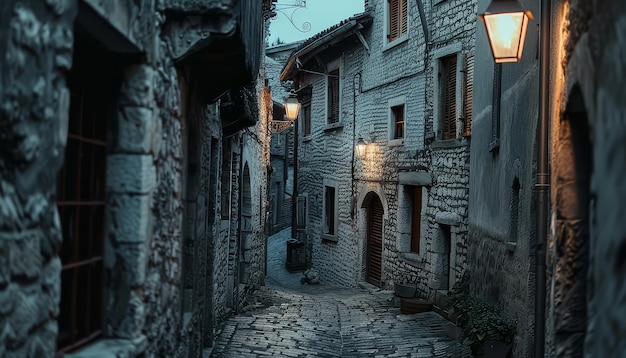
(574, 165)
(374, 246)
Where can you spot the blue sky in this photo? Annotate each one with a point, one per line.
(321, 14)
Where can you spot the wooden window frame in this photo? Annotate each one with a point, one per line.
(306, 118)
(398, 120)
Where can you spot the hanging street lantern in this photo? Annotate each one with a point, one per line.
(292, 107)
(506, 24)
(360, 147)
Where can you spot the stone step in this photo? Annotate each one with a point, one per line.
(415, 305)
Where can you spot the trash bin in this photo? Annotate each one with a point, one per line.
(296, 257)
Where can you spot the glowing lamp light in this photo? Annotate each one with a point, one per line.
(360, 147)
(506, 24)
(292, 107)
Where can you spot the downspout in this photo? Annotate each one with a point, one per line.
(542, 185)
(354, 203)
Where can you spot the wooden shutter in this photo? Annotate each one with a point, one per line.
(333, 96)
(416, 217)
(449, 98)
(468, 95)
(403, 17)
(398, 115)
(394, 20)
(375, 242)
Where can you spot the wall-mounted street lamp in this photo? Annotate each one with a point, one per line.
(506, 24)
(292, 107)
(361, 146)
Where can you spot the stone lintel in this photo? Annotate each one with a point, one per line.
(415, 178)
(448, 218)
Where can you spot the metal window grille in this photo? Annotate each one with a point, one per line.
(81, 205)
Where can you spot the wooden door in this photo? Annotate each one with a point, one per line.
(375, 213)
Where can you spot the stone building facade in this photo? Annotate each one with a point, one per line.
(400, 209)
(586, 111)
(133, 166)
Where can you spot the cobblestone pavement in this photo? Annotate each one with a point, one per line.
(287, 319)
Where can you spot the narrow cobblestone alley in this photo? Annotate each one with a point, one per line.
(288, 319)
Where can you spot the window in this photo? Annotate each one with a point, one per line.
(416, 217)
(468, 95)
(397, 19)
(333, 97)
(397, 113)
(448, 96)
(81, 204)
(330, 209)
(306, 119)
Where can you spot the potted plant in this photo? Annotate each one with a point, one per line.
(491, 335)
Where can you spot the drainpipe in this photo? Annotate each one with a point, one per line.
(542, 185)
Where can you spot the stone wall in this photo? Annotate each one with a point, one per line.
(36, 43)
(586, 242)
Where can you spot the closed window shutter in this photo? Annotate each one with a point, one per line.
(403, 17)
(449, 98)
(394, 19)
(468, 95)
(333, 96)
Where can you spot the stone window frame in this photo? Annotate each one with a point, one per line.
(335, 65)
(387, 44)
(437, 68)
(422, 180)
(330, 183)
(391, 103)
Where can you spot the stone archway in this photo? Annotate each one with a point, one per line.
(573, 168)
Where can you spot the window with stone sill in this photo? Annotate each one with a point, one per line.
(410, 221)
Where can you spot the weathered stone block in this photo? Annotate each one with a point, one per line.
(415, 178)
(127, 217)
(5, 262)
(135, 130)
(25, 256)
(134, 256)
(131, 174)
(51, 284)
(448, 218)
(138, 86)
